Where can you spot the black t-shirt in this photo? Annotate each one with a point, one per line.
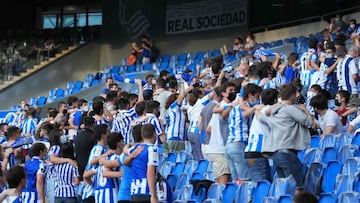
(83, 145)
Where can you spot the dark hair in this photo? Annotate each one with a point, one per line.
(319, 102)
(54, 137)
(150, 106)
(61, 103)
(136, 133)
(342, 93)
(14, 176)
(323, 32)
(123, 94)
(67, 150)
(100, 130)
(217, 91)
(47, 127)
(140, 108)
(112, 85)
(297, 84)
(252, 36)
(88, 121)
(163, 73)
(81, 102)
(250, 89)
(330, 45)
(305, 197)
(108, 78)
(292, 58)
(216, 67)
(37, 148)
(316, 87)
(161, 83)
(2, 126)
(148, 76)
(98, 99)
(352, 20)
(313, 43)
(111, 95)
(253, 71)
(72, 100)
(147, 131)
(171, 99)
(31, 112)
(98, 108)
(113, 139)
(148, 95)
(340, 39)
(269, 96)
(123, 103)
(225, 85)
(53, 114)
(286, 91)
(12, 130)
(172, 84)
(132, 97)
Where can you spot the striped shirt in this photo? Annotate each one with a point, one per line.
(65, 180)
(305, 71)
(153, 120)
(52, 172)
(176, 123)
(238, 126)
(96, 151)
(345, 69)
(76, 116)
(104, 121)
(29, 127)
(106, 189)
(271, 84)
(121, 124)
(33, 167)
(12, 199)
(194, 113)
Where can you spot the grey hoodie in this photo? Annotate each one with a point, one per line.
(289, 128)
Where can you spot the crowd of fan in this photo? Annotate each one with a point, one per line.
(237, 118)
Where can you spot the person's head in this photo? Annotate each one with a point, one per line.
(251, 93)
(172, 86)
(340, 51)
(108, 81)
(61, 106)
(88, 121)
(218, 95)
(136, 133)
(228, 91)
(45, 129)
(112, 96)
(83, 105)
(354, 51)
(67, 150)
(124, 104)
(315, 89)
(30, 113)
(100, 132)
(148, 133)
(313, 43)
(216, 68)
(72, 101)
(114, 87)
(330, 50)
(250, 37)
(140, 108)
(38, 149)
(352, 24)
(54, 137)
(164, 74)
(16, 177)
(325, 34)
(269, 96)
(288, 92)
(338, 17)
(342, 98)
(319, 103)
(115, 141)
(98, 108)
(53, 114)
(133, 99)
(150, 79)
(13, 133)
(3, 128)
(98, 99)
(195, 94)
(238, 40)
(292, 59)
(253, 72)
(305, 197)
(123, 94)
(339, 40)
(244, 66)
(153, 107)
(22, 103)
(171, 99)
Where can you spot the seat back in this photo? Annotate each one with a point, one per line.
(229, 192)
(347, 151)
(261, 191)
(329, 178)
(344, 183)
(283, 186)
(313, 178)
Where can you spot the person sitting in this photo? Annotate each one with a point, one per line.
(250, 42)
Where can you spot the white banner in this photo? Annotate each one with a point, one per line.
(205, 15)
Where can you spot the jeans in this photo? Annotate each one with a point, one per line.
(50, 189)
(65, 200)
(287, 164)
(259, 169)
(194, 139)
(235, 155)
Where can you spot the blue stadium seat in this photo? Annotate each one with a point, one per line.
(345, 139)
(229, 192)
(59, 93)
(75, 90)
(356, 139)
(261, 190)
(115, 69)
(215, 53)
(148, 67)
(344, 183)
(171, 157)
(94, 82)
(182, 180)
(330, 154)
(315, 141)
(313, 178)
(266, 45)
(329, 178)
(285, 199)
(70, 85)
(79, 84)
(184, 156)
(183, 57)
(89, 77)
(171, 180)
(184, 194)
(328, 141)
(209, 175)
(67, 92)
(351, 166)
(279, 42)
(197, 176)
(347, 151)
(349, 197)
(203, 166)
(200, 55)
(191, 166)
(271, 200)
(166, 168)
(244, 193)
(300, 155)
(327, 198)
(178, 168)
(283, 186)
(165, 58)
(107, 69)
(357, 185)
(293, 40)
(313, 155)
(32, 101)
(41, 101)
(131, 69)
(215, 192)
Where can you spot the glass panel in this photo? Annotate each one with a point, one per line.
(68, 20)
(49, 21)
(95, 19)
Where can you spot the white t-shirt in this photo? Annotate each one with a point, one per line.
(216, 143)
(331, 118)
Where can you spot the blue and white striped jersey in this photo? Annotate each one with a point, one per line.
(148, 157)
(238, 126)
(104, 121)
(65, 180)
(257, 134)
(106, 189)
(176, 123)
(51, 172)
(33, 167)
(153, 120)
(194, 113)
(122, 124)
(305, 71)
(345, 69)
(29, 126)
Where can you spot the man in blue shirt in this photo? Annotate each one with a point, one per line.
(16, 180)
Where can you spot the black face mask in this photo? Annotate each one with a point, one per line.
(337, 103)
(157, 114)
(232, 96)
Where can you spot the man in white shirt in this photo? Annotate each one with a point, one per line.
(161, 95)
(329, 121)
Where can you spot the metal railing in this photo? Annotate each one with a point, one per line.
(303, 20)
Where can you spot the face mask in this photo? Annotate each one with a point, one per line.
(337, 103)
(63, 139)
(311, 94)
(254, 103)
(231, 96)
(352, 26)
(85, 108)
(329, 56)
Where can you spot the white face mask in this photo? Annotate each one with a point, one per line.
(352, 26)
(85, 108)
(311, 94)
